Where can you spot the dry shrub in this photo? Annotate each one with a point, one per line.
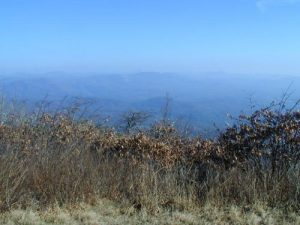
(265, 137)
(50, 159)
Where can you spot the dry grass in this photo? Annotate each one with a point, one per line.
(107, 212)
(249, 174)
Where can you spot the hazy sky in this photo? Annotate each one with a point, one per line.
(248, 36)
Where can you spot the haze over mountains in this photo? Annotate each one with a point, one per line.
(201, 99)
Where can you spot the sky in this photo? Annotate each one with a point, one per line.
(237, 36)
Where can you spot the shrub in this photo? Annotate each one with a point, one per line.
(53, 158)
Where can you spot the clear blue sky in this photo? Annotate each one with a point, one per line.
(244, 36)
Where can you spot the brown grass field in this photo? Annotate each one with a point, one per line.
(107, 212)
(55, 169)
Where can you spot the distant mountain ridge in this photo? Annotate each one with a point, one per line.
(202, 99)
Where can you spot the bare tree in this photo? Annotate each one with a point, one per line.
(166, 109)
(133, 119)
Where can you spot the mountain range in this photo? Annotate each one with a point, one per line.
(203, 99)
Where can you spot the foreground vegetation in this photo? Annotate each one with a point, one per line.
(250, 173)
(107, 212)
